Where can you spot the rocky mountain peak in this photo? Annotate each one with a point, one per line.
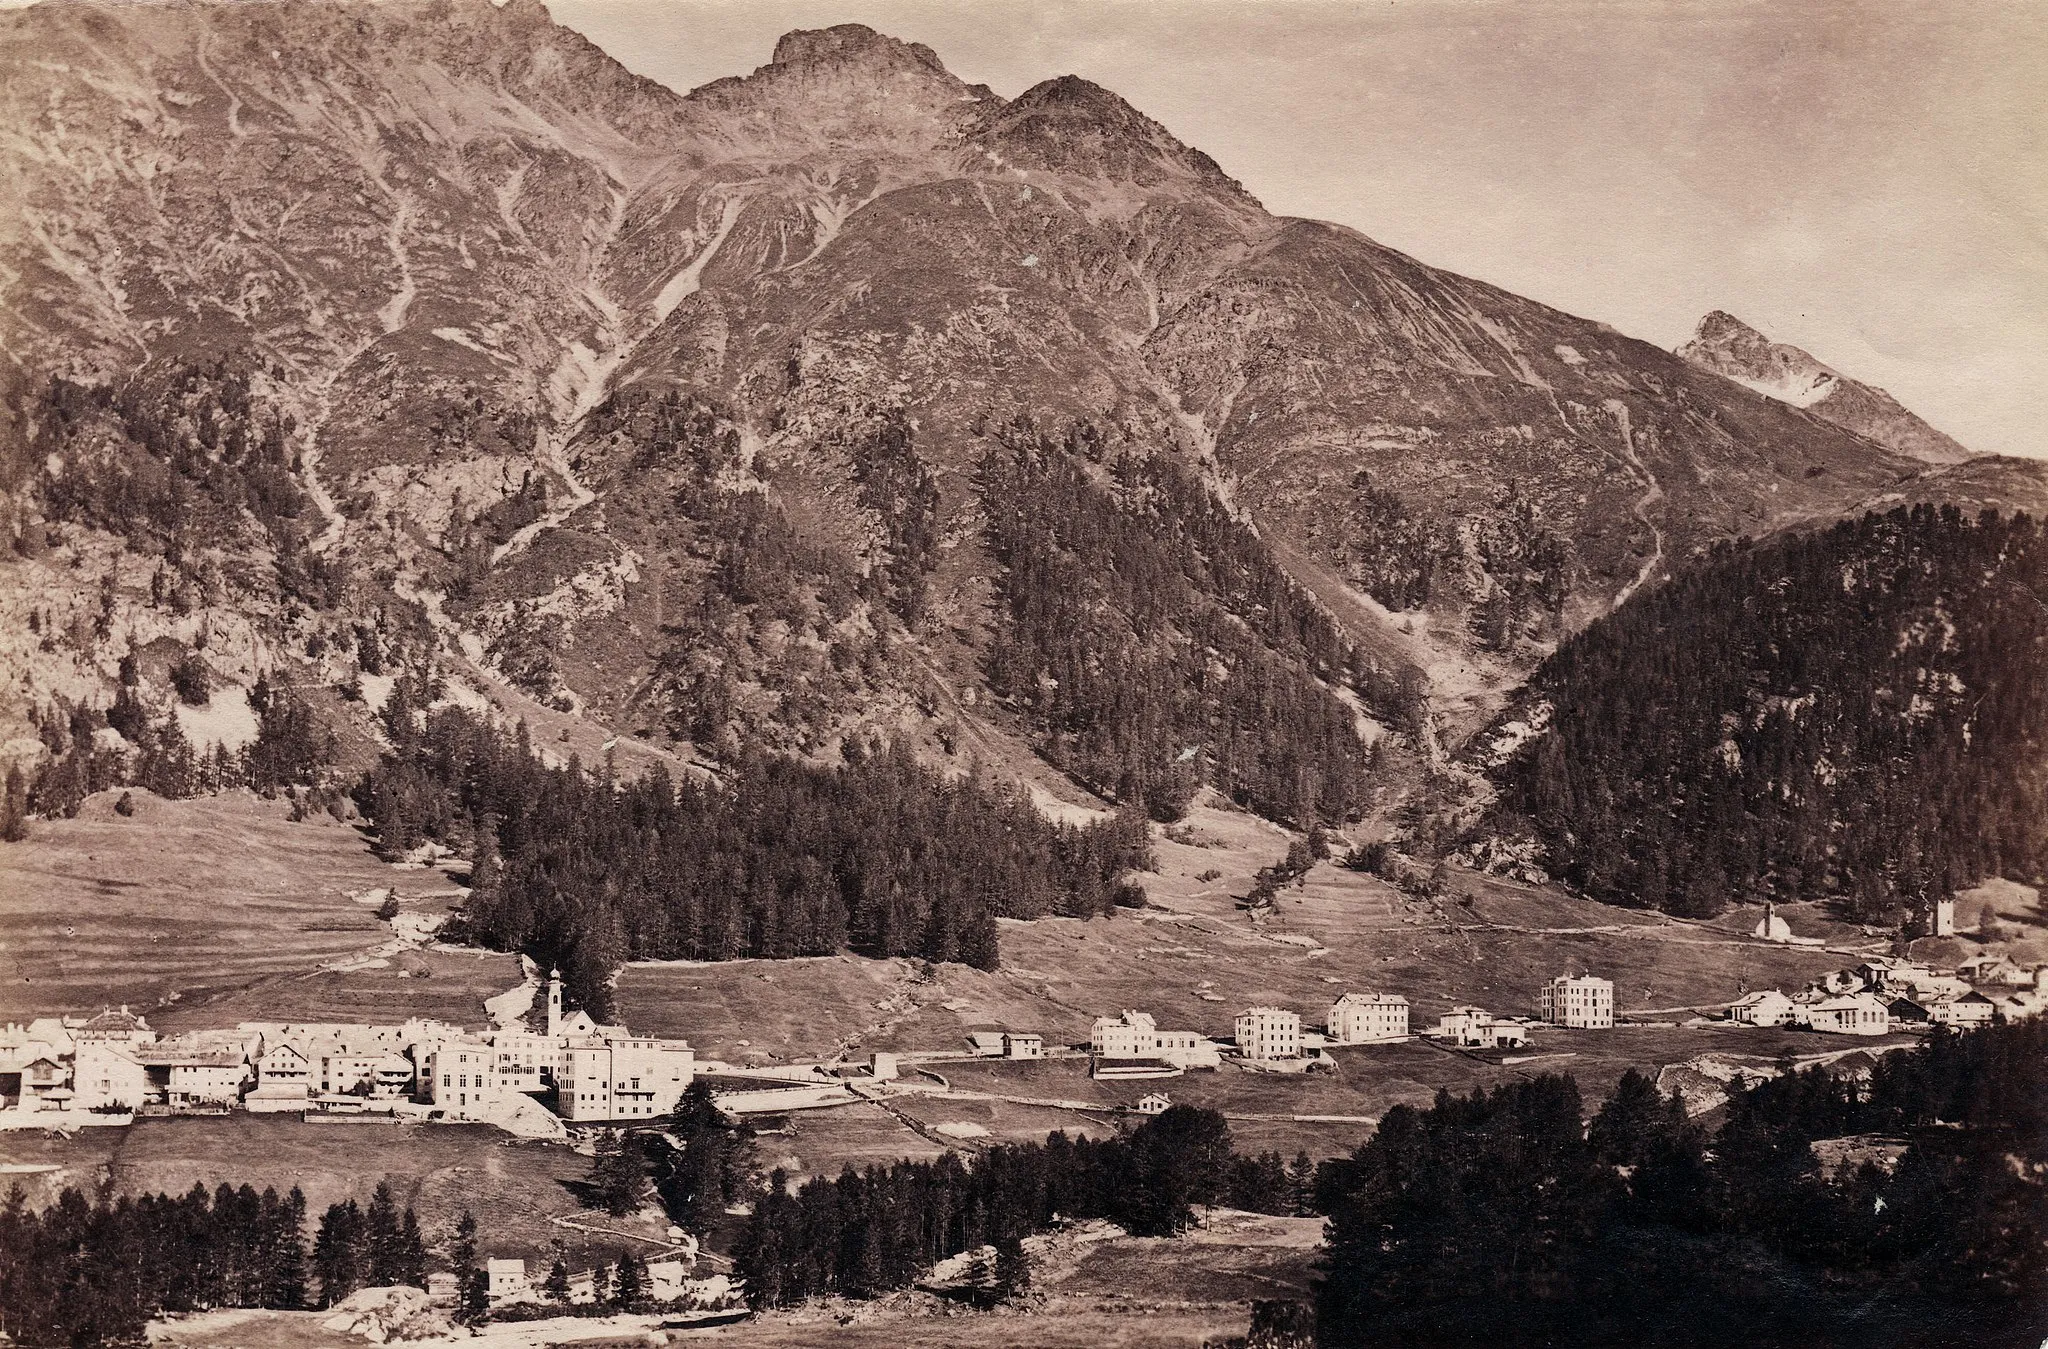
(1072, 125)
(1731, 348)
(842, 86)
(1718, 325)
(851, 44)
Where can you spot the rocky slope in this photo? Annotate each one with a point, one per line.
(1727, 346)
(668, 411)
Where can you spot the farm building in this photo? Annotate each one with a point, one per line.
(1156, 1103)
(182, 1073)
(1996, 970)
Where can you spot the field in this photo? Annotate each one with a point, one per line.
(513, 1187)
(206, 911)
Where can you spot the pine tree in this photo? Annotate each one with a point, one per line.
(410, 1261)
(618, 1176)
(338, 1252)
(380, 1236)
(629, 1286)
(473, 1288)
(286, 1283)
(556, 1286)
(1012, 1270)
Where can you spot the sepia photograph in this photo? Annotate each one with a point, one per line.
(1144, 674)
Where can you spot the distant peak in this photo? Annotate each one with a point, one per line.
(1074, 91)
(1720, 324)
(849, 43)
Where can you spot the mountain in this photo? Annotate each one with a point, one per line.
(351, 341)
(1855, 712)
(1727, 346)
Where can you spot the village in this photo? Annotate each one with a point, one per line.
(573, 1074)
(552, 1074)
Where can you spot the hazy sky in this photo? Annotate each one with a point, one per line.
(1865, 180)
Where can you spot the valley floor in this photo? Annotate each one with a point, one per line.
(215, 910)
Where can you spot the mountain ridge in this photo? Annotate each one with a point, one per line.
(563, 349)
(1727, 346)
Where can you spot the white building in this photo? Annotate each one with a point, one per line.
(1364, 1018)
(1477, 1028)
(462, 1079)
(123, 1028)
(284, 1079)
(334, 1065)
(194, 1073)
(1135, 1035)
(622, 1077)
(1850, 1014)
(1582, 1002)
(526, 1062)
(1017, 1046)
(1157, 1103)
(506, 1280)
(106, 1077)
(35, 1065)
(1767, 1007)
(1269, 1033)
(1964, 1013)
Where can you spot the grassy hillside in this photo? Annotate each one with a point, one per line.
(189, 900)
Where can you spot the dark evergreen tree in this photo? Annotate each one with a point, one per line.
(340, 1260)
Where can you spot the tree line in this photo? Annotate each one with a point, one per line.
(1855, 713)
(1502, 1219)
(84, 1273)
(869, 1232)
(1152, 643)
(781, 858)
(290, 750)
